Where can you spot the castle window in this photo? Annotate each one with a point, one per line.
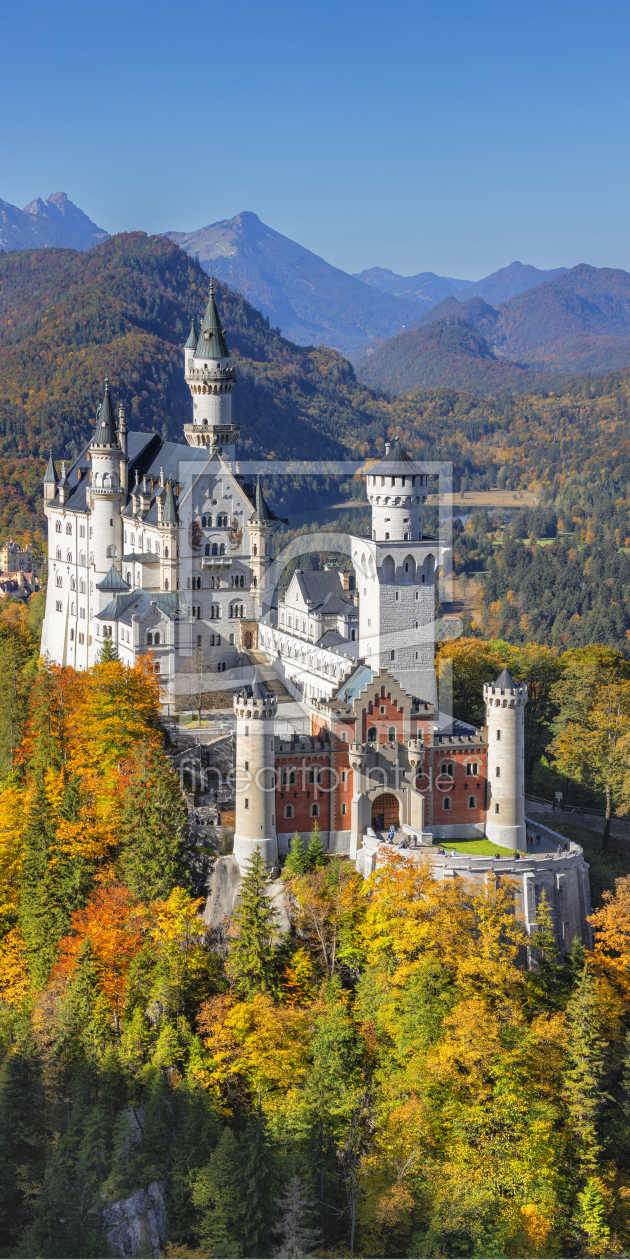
(69, 557)
(156, 638)
(58, 580)
(222, 549)
(497, 772)
(82, 613)
(472, 769)
(231, 640)
(57, 605)
(215, 549)
(166, 553)
(81, 638)
(57, 527)
(203, 522)
(254, 583)
(288, 811)
(315, 810)
(68, 527)
(496, 809)
(71, 636)
(128, 577)
(198, 640)
(446, 803)
(498, 734)
(288, 778)
(82, 557)
(206, 550)
(372, 735)
(391, 734)
(111, 551)
(472, 802)
(344, 808)
(344, 776)
(392, 655)
(156, 668)
(246, 803)
(447, 768)
(387, 536)
(73, 585)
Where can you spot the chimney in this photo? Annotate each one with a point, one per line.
(388, 447)
(349, 581)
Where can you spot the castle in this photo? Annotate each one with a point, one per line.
(167, 548)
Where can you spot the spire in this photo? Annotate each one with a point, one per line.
(50, 474)
(105, 434)
(63, 480)
(505, 682)
(263, 514)
(169, 514)
(212, 343)
(193, 337)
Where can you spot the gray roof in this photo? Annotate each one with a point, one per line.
(356, 683)
(112, 581)
(193, 338)
(324, 592)
(141, 557)
(50, 474)
(397, 462)
(212, 343)
(505, 682)
(263, 514)
(124, 607)
(105, 433)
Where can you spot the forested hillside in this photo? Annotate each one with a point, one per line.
(386, 1079)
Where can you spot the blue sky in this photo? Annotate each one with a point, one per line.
(452, 137)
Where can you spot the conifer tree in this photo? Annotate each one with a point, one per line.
(44, 910)
(582, 1081)
(297, 860)
(252, 959)
(547, 980)
(198, 1131)
(154, 822)
(218, 1196)
(316, 854)
(22, 1150)
(108, 652)
(297, 1237)
(259, 1184)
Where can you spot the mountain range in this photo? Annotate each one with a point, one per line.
(55, 221)
(576, 323)
(427, 289)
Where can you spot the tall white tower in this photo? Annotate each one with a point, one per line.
(211, 377)
(505, 702)
(395, 575)
(255, 825)
(108, 471)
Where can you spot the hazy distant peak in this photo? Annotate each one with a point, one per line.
(59, 209)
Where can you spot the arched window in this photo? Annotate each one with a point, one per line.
(57, 527)
(447, 768)
(288, 778)
(391, 734)
(472, 769)
(206, 550)
(128, 577)
(69, 557)
(188, 583)
(72, 636)
(203, 522)
(150, 639)
(222, 549)
(73, 585)
(215, 549)
(58, 580)
(166, 585)
(166, 553)
(353, 635)
(446, 803)
(497, 772)
(288, 811)
(472, 802)
(156, 667)
(315, 810)
(111, 552)
(372, 735)
(58, 553)
(389, 568)
(255, 549)
(68, 527)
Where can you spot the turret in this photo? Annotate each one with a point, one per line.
(169, 538)
(50, 481)
(63, 488)
(261, 526)
(106, 490)
(122, 442)
(505, 702)
(211, 377)
(396, 489)
(190, 346)
(255, 824)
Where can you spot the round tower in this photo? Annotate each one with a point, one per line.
(211, 378)
(396, 489)
(255, 823)
(505, 702)
(106, 457)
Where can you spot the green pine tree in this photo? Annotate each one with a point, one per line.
(548, 978)
(316, 854)
(592, 1219)
(252, 959)
(217, 1194)
(582, 1081)
(154, 825)
(259, 1183)
(108, 652)
(22, 1149)
(297, 860)
(198, 1130)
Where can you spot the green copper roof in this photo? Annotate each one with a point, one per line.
(169, 515)
(212, 343)
(50, 474)
(105, 434)
(191, 344)
(112, 582)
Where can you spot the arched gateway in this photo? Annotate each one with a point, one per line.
(385, 812)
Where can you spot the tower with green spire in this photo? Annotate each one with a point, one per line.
(211, 377)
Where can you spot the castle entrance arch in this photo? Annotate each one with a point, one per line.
(385, 812)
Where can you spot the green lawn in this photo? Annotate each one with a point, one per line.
(480, 848)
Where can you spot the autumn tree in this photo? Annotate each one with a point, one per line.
(252, 960)
(594, 749)
(153, 821)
